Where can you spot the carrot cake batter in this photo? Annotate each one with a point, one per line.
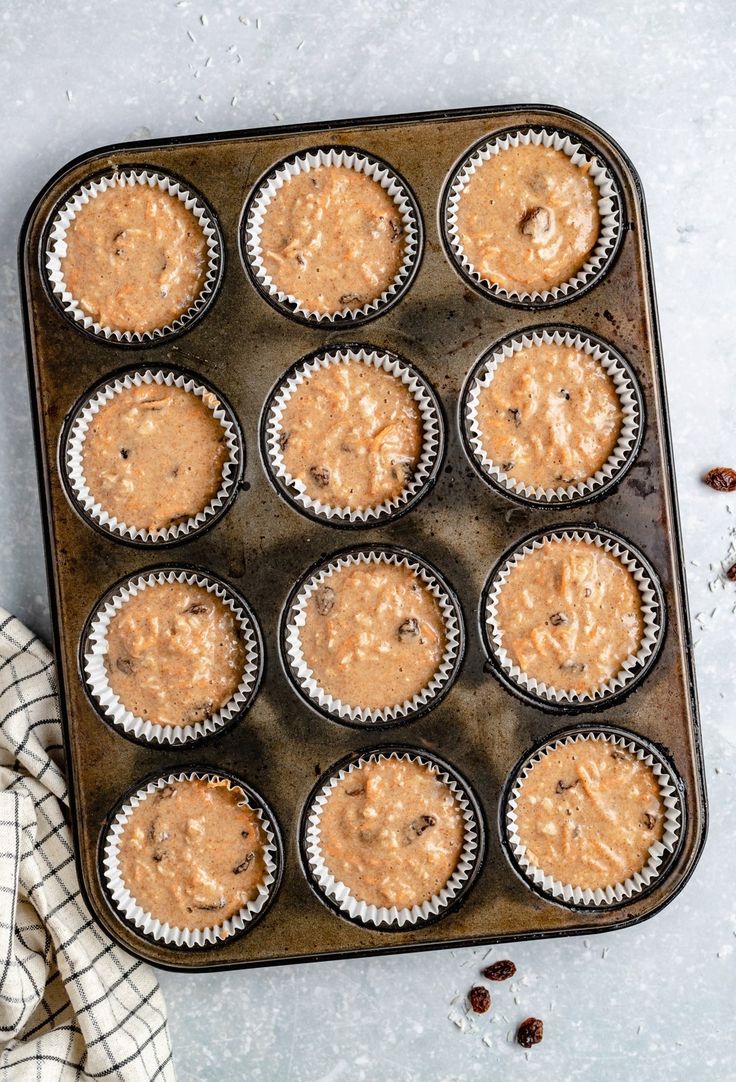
(588, 813)
(333, 238)
(374, 635)
(528, 218)
(392, 832)
(352, 434)
(136, 258)
(153, 456)
(570, 615)
(192, 854)
(175, 654)
(550, 417)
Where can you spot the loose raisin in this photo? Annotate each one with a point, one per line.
(731, 573)
(499, 971)
(480, 999)
(324, 599)
(125, 666)
(721, 478)
(409, 630)
(530, 1032)
(320, 475)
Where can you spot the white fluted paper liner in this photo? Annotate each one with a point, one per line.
(374, 915)
(608, 209)
(617, 892)
(628, 396)
(146, 922)
(304, 675)
(651, 613)
(346, 159)
(56, 251)
(73, 463)
(115, 711)
(431, 427)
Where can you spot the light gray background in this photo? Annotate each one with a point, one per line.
(652, 1003)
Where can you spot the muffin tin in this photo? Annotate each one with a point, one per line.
(262, 544)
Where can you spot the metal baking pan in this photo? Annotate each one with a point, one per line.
(262, 545)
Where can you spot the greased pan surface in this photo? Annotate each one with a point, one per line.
(262, 545)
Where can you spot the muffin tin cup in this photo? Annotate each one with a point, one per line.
(144, 923)
(347, 158)
(433, 436)
(609, 209)
(337, 896)
(633, 670)
(619, 461)
(661, 853)
(294, 617)
(55, 250)
(93, 651)
(71, 448)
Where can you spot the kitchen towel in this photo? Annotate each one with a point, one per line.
(72, 1004)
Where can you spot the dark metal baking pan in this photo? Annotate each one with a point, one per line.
(262, 545)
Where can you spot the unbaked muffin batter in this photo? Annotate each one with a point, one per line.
(374, 635)
(136, 258)
(528, 218)
(175, 654)
(192, 854)
(352, 434)
(570, 615)
(392, 832)
(153, 456)
(588, 814)
(333, 238)
(550, 416)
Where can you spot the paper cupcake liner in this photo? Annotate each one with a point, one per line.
(629, 396)
(384, 175)
(145, 922)
(295, 618)
(609, 209)
(73, 446)
(652, 611)
(619, 892)
(95, 649)
(55, 250)
(383, 917)
(432, 434)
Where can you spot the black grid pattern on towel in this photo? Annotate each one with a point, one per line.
(72, 1004)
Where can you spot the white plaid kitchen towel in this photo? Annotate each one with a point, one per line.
(72, 1004)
